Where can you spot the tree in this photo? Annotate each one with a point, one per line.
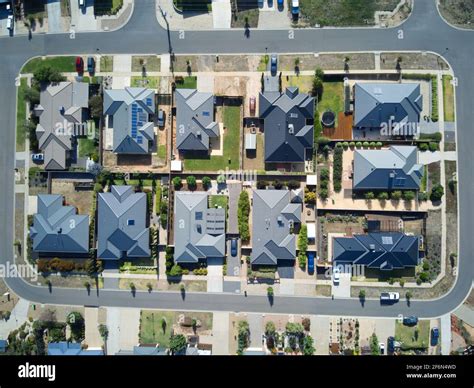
(270, 328)
(177, 183)
(374, 345)
(408, 296)
(362, 296)
(270, 291)
(369, 195)
(317, 89)
(306, 322)
(32, 95)
(382, 196)
(220, 179)
(149, 286)
(96, 104)
(206, 182)
(175, 271)
(308, 348)
(177, 343)
(132, 286)
(396, 195)
(437, 193)
(243, 336)
(191, 181)
(46, 73)
(409, 195)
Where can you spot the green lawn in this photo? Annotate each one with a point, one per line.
(62, 64)
(21, 116)
(152, 63)
(230, 158)
(87, 147)
(162, 151)
(303, 82)
(415, 337)
(145, 82)
(218, 200)
(190, 82)
(448, 98)
(333, 97)
(106, 63)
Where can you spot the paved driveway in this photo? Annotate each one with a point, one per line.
(343, 289)
(82, 18)
(91, 319)
(256, 330)
(221, 13)
(214, 275)
(273, 17)
(54, 15)
(233, 262)
(235, 188)
(220, 333)
(320, 332)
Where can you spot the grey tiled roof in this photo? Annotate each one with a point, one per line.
(199, 232)
(62, 105)
(286, 125)
(130, 112)
(58, 229)
(385, 251)
(272, 216)
(194, 120)
(395, 168)
(375, 103)
(122, 230)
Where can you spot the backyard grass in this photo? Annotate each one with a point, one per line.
(415, 337)
(245, 17)
(106, 63)
(303, 82)
(145, 82)
(448, 98)
(62, 64)
(162, 151)
(343, 12)
(190, 82)
(21, 115)
(87, 147)
(152, 63)
(333, 97)
(218, 201)
(230, 158)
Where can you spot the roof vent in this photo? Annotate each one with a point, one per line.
(198, 134)
(372, 247)
(280, 219)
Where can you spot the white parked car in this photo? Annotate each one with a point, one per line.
(382, 348)
(336, 275)
(389, 297)
(10, 22)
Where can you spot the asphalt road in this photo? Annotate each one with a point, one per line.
(424, 30)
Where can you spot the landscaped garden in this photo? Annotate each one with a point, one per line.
(413, 337)
(448, 98)
(61, 64)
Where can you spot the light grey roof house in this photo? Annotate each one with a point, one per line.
(288, 125)
(195, 123)
(377, 103)
(396, 168)
(130, 113)
(62, 109)
(273, 214)
(58, 229)
(199, 231)
(122, 224)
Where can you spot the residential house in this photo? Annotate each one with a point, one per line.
(62, 112)
(199, 231)
(274, 218)
(195, 125)
(58, 229)
(122, 224)
(64, 348)
(376, 105)
(130, 113)
(395, 168)
(288, 125)
(384, 251)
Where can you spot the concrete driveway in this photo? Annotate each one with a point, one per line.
(123, 325)
(233, 262)
(272, 17)
(383, 328)
(54, 15)
(215, 278)
(343, 289)
(256, 330)
(82, 18)
(92, 335)
(221, 13)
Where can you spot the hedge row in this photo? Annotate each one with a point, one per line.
(337, 169)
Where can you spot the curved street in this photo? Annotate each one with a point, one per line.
(424, 30)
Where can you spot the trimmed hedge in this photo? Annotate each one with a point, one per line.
(337, 170)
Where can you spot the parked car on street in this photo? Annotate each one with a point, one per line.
(37, 158)
(410, 321)
(91, 65)
(434, 336)
(389, 297)
(233, 247)
(79, 65)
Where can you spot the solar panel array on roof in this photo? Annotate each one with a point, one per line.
(149, 102)
(134, 120)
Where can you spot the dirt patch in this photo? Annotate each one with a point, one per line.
(211, 63)
(458, 13)
(357, 61)
(81, 199)
(412, 61)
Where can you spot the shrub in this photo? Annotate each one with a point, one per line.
(422, 196)
(324, 174)
(383, 196)
(206, 182)
(191, 181)
(369, 195)
(176, 270)
(396, 195)
(177, 183)
(339, 145)
(423, 147)
(243, 212)
(433, 146)
(323, 193)
(337, 169)
(379, 144)
(365, 144)
(372, 144)
(345, 145)
(358, 144)
(352, 144)
(437, 193)
(408, 195)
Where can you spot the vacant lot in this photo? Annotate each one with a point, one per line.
(457, 12)
(62, 64)
(448, 98)
(149, 62)
(415, 61)
(416, 337)
(343, 12)
(230, 159)
(21, 116)
(357, 61)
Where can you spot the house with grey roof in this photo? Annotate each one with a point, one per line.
(58, 229)
(65, 348)
(274, 216)
(395, 168)
(288, 125)
(199, 231)
(130, 113)
(62, 112)
(378, 104)
(195, 124)
(384, 251)
(122, 230)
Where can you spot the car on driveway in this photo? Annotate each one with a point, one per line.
(434, 336)
(10, 22)
(382, 348)
(410, 321)
(161, 118)
(273, 64)
(37, 158)
(336, 275)
(310, 262)
(91, 65)
(252, 103)
(79, 65)
(233, 247)
(295, 8)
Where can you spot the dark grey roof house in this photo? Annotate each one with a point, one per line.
(272, 214)
(195, 123)
(396, 168)
(58, 229)
(288, 125)
(384, 251)
(122, 224)
(376, 103)
(130, 113)
(62, 111)
(199, 231)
